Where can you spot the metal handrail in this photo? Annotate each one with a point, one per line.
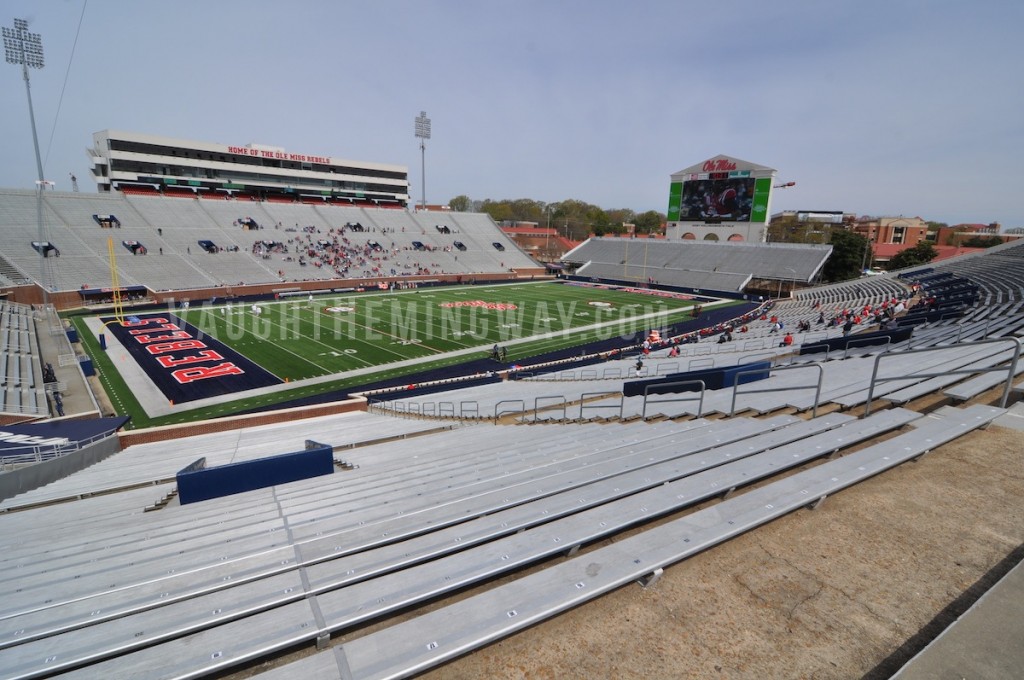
(1011, 369)
(536, 404)
(699, 399)
(697, 364)
(853, 340)
(668, 369)
(764, 356)
(498, 414)
(817, 392)
(584, 406)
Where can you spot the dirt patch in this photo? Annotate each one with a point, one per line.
(837, 592)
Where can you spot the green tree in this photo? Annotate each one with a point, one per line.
(649, 222)
(598, 219)
(920, 254)
(499, 211)
(849, 254)
(460, 203)
(783, 229)
(527, 210)
(982, 242)
(570, 216)
(620, 216)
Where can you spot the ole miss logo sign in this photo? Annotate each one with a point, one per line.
(719, 165)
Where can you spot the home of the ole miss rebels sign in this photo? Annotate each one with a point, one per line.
(278, 155)
(184, 363)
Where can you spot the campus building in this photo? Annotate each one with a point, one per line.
(899, 230)
(141, 163)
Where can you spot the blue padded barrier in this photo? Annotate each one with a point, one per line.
(713, 379)
(199, 483)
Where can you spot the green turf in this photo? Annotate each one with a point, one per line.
(297, 339)
(389, 334)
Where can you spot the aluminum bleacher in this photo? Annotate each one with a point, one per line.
(336, 577)
(426, 641)
(21, 374)
(693, 264)
(170, 228)
(95, 586)
(432, 638)
(148, 463)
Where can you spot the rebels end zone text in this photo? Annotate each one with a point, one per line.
(179, 340)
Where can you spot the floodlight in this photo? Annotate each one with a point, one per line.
(423, 134)
(26, 50)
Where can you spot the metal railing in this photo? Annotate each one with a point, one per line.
(851, 343)
(817, 391)
(1011, 369)
(699, 398)
(668, 369)
(697, 364)
(499, 412)
(428, 409)
(38, 453)
(584, 406)
(559, 405)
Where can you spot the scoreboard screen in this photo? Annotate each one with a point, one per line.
(717, 198)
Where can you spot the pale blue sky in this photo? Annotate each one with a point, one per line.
(891, 107)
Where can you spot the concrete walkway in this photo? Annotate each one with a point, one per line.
(987, 642)
(53, 343)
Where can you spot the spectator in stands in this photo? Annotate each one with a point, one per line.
(848, 326)
(787, 340)
(639, 365)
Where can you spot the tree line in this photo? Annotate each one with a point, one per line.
(573, 218)
(578, 220)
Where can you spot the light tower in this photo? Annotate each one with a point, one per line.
(26, 49)
(423, 134)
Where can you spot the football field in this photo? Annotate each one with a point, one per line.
(298, 338)
(185, 363)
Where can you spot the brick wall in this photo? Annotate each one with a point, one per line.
(156, 434)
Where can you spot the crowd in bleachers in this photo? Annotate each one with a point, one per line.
(171, 227)
(349, 258)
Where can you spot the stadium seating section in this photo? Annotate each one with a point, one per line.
(694, 264)
(428, 497)
(175, 229)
